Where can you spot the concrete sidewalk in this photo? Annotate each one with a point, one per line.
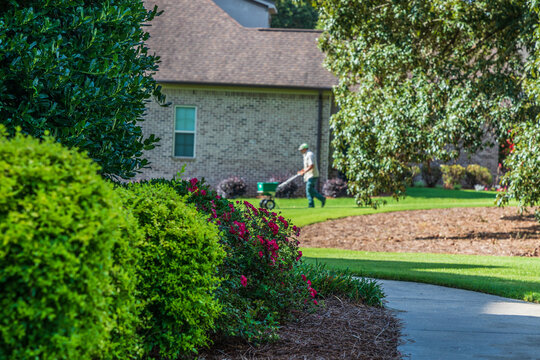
(445, 323)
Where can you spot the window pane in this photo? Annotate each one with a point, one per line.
(185, 119)
(184, 145)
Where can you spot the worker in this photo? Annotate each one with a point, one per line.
(311, 176)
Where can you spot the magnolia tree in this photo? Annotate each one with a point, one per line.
(421, 81)
(523, 162)
(79, 70)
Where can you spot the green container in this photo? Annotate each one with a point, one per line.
(267, 186)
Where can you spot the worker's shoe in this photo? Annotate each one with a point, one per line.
(323, 202)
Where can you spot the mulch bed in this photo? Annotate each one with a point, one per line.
(478, 231)
(339, 330)
(342, 330)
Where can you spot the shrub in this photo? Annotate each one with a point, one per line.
(342, 283)
(232, 187)
(452, 175)
(67, 257)
(177, 270)
(335, 188)
(431, 174)
(260, 287)
(476, 174)
(286, 191)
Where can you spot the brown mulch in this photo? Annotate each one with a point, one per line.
(478, 231)
(339, 330)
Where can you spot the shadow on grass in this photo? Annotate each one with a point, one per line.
(432, 193)
(426, 273)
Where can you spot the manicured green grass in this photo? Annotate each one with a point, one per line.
(513, 277)
(416, 199)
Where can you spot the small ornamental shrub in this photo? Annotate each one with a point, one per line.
(67, 260)
(452, 175)
(260, 286)
(232, 187)
(288, 190)
(335, 188)
(477, 175)
(431, 174)
(180, 254)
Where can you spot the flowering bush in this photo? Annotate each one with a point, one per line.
(232, 187)
(335, 188)
(260, 286)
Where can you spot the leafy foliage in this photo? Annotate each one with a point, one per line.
(232, 187)
(79, 70)
(343, 283)
(431, 174)
(260, 287)
(476, 174)
(335, 188)
(295, 14)
(452, 175)
(420, 81)
(67, 260)
(177, 270)
(523, 162)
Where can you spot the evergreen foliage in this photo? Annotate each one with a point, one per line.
(421, 81)
(80, 70)
(295, 14)
(67, 262)
(177, 269)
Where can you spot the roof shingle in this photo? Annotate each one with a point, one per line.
(198, 42)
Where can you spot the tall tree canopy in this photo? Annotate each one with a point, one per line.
(295, 14)
(523, 177)
(421, 81)
(79, 70)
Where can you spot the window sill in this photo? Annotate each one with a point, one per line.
(181, 158)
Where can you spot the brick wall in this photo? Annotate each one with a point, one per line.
(251, 133)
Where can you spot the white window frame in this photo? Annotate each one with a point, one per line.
(194, 132)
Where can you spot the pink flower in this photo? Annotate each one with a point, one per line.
(299, 255)
(308, 282)
(303, 277)
(193, 182)
(243, 280)
(203, 192)
(315, 302)
(218, 197)
(261, 254)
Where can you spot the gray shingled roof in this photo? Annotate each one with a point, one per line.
(199, 43)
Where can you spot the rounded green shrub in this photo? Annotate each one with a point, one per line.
(452, 175)
(177, 269)
(66, 261)
(476, 174)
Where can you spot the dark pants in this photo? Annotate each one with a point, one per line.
(312, 192)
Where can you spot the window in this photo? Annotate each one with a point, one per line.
(184, 131)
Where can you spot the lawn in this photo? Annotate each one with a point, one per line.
(513, 277)
(508, 276)
(416, 199)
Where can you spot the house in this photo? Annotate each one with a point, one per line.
(242, 99)
(249, 13)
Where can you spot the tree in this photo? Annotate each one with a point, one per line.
(80, 71)
(295, 14)
(421, 81)
(523, 162)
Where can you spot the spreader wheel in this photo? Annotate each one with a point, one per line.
(262, 203)
(270, 204)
